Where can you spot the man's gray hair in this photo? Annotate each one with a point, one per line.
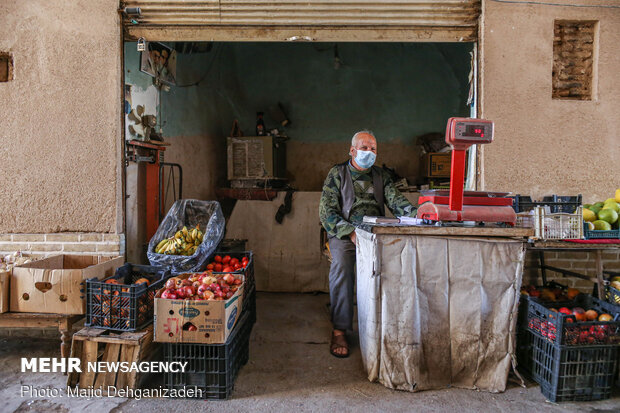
(362, 132)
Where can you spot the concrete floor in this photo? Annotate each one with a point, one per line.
(289, 370)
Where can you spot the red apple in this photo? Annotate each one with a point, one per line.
(189, 291)
(565, 310)
(169, 294)
(208, 295)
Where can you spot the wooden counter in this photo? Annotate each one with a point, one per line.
(456, 231)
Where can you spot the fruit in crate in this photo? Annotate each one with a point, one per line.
(183, 242)
(600, 225)
(227, 264)
(579, 313)
(591, 315)
(202, 286)
(589, 215)
(608, 215)
(142, 280)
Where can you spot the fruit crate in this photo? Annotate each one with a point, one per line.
(567, 373)
(124, 306)
(563, 329)
(212, 368)
(600, 234)
(556, 203)
(558, 225)
(523, 298)
(248, 272)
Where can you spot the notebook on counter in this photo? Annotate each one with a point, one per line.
(393, 221)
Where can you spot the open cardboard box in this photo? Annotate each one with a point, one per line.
(5, 279)
(56, 284)
(214, 320)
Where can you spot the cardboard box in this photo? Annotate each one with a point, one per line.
(5, 279)
(213, 319)
(436, 164)
(56, 284)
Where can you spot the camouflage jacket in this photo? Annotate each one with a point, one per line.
(330, 208)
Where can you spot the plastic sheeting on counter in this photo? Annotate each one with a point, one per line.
(438, 311)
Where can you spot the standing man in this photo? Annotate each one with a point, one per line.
(352, 190)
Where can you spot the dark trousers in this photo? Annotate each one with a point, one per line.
(341, 282)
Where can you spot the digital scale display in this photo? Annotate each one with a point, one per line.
(474, 131)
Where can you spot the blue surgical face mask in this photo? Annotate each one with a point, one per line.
(365, 159)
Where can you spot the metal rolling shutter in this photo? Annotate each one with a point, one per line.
(319, 20)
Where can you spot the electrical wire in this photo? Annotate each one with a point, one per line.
(544, 3)
(216, 54)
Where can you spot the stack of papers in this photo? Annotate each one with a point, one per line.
(393, 221)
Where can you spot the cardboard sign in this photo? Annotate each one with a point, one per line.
(56, 284)
(214, 320)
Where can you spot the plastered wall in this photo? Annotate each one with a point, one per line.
(59, 118)
(398, 90)
(545, 146)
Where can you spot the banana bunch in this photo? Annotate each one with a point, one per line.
(184, 242)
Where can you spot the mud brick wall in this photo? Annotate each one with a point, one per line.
(64, 243)
(573, 59)
(580, 262)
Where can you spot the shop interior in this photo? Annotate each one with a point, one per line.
(313, 97)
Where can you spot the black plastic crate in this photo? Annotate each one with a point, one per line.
(124, 306)
(212, 368)
(232, 245)
(248, 272)
(562, 329)
(556, 203)
(523, 298)
(567, 373)
(600, 234)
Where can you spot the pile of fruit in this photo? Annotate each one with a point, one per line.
(603, 216)
(550, 293)
(201, 286)
(227, 264)
(184, 242)
(109, 307)
(586, 327)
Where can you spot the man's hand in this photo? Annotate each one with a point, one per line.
(353, 237)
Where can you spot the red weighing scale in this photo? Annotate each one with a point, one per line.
(457, 205)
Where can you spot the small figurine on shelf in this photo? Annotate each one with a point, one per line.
(260, 125)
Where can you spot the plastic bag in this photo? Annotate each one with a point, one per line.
(189, 213)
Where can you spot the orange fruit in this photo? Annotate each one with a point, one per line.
(591, 315)
(572, 293)
(605, 317)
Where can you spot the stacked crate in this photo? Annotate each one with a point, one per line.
(213, 368)
(571, 360)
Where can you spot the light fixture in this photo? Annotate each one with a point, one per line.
(132, 13)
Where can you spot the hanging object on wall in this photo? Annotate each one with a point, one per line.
(160, 61)
(141, 44)
(143, 125)
(279, 115)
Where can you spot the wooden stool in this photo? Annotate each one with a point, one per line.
(64, 323)
(94, 344)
